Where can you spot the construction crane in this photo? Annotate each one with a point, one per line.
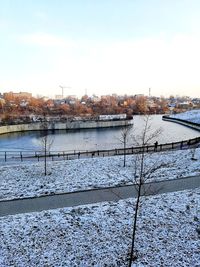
(63, 87)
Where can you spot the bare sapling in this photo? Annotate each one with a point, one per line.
(124, 138)
(46, 142)
(145, 169)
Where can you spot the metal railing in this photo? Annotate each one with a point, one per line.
(10, 156)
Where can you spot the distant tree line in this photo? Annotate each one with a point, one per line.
(14, 109)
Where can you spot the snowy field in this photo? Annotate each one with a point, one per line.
(100, 234)
(192, 115)
(28, 180)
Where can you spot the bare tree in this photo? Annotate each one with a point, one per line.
(124, 136)
(144, 169)
(46, 142)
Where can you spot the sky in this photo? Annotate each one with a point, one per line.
(100, 47)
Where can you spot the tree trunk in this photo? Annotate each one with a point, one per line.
(135, 224)
(45, 157)
(124, 153)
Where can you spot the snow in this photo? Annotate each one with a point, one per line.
(100, 234)
(28, 180)
(192, 116)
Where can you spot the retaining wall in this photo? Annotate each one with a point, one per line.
(63, 126)
(192, 125)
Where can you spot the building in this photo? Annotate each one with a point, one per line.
(58, 97)
(16, 95)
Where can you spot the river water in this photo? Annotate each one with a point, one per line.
(95, 139)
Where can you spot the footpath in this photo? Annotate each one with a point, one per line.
(17, 206)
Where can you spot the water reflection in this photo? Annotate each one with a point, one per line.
(90, 139)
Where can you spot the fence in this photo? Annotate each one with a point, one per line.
(8, 156)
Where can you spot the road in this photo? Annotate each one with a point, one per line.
(17, 206)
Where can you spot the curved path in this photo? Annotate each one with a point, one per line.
(16, 206)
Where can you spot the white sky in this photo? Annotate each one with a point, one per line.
(104, 46)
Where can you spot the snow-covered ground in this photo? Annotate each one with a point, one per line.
(100, 235)
(192, 115)
(67, 176)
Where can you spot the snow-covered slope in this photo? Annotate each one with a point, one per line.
(29, 180)
(100, 235)
(192, 116)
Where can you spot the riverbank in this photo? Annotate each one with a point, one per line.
(190, 119)
(28, 180)
(69, 125)
(187, 123)
(191, 116)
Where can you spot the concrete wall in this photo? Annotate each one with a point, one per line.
(194, 126)
(63, 126)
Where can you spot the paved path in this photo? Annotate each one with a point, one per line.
(17, 206)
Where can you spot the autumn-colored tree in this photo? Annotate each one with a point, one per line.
(64, 109)
(141, 105)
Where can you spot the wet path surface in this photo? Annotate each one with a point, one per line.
(11, 207)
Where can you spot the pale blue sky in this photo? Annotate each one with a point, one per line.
(106, 46)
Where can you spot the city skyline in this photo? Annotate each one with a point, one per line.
(105, 46)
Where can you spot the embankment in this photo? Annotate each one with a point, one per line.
(69, 125)
(192, 125)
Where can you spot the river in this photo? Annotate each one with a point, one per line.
(94, 139)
